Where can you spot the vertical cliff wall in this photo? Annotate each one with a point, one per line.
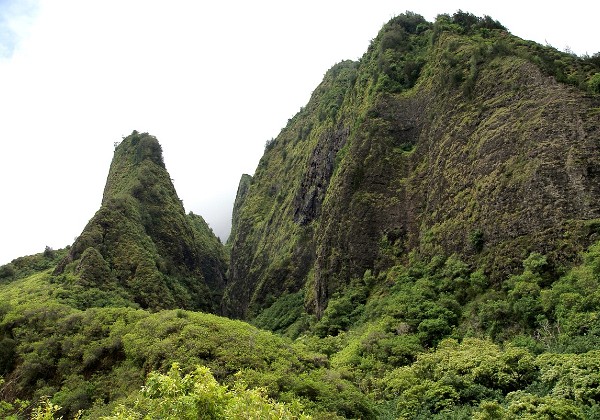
(453, 137)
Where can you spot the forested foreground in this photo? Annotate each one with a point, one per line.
(428, 339)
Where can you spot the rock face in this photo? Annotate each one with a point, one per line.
(442, 139)
(310, 195)
(142, 241)
(240, 196)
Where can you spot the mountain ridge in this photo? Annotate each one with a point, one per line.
(405, 150)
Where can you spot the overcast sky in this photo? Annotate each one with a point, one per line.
(212, 80)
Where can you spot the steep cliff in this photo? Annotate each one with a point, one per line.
(452, 137)
(240, 196)
(141, 240)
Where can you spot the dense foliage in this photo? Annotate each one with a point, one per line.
(86, 359)
(435, 339)
(422, 340)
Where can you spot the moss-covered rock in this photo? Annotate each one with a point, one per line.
(142, 241)
(451, 137)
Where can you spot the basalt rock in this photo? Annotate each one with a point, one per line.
(442, 139)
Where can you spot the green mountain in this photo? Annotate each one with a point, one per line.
(421, 241)
(142, 242)
(447, 138)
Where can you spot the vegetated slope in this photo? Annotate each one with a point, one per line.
(97, 359)
(452, 137)
(76, 334)
(141, 241)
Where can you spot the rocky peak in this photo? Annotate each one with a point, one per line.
(162, 257)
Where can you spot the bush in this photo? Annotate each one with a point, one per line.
(594, 83)
(343, 310)
(410, 22)
(197, 395)
(465, 373)
(476, 240)
(7, 271)
(269, 144)
(49, 252)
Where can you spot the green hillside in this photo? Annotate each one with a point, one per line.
(95, 358)
(142, 243)
(421, 241)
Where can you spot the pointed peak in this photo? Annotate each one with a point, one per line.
(138, 147)
(137, 163)
(141, 240)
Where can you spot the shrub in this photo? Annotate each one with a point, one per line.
(594, 83)
(49, 252)
(269, 144)
(476, 240)
(7, 271)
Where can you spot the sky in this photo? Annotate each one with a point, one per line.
(212, 80)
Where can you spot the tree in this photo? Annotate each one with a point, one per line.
(49, 252)
(197, 395)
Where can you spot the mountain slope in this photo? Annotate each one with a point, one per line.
(452, 137)
(141, 240)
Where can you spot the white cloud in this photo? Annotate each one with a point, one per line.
(16, 18)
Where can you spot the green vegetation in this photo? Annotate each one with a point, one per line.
(199, 395)
(401, 54)
(434, 142)
(87, 359)
(141, 243)
(25, 266)
(433, 339)
(427, 339)
(421, 241)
